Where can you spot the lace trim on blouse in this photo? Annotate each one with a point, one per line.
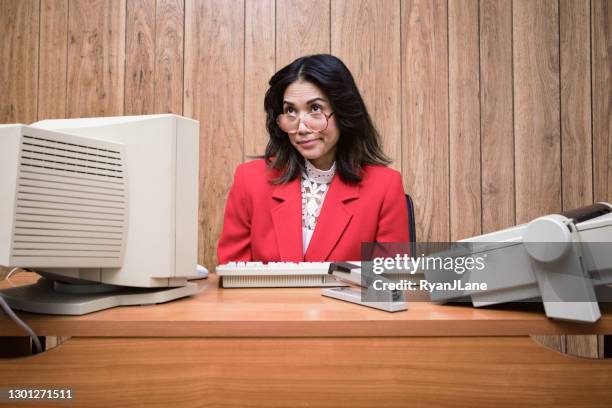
(315, 184)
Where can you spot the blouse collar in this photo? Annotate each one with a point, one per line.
(319, 176)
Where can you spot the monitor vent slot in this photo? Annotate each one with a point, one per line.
(71, 201)
(79, 159)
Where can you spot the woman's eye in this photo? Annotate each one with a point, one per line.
(289, 110)
(316, 108)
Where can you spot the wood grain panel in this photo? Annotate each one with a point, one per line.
(96, 58)
(53, 54)
(585, 346)
(19, 67)
(259, 66)
(546, 69)
(214, 92)
(557, 343)
(425, 115)
(169, 61)
(366, 36)
(464, 119)
(496, 115)
(318, 372)
(601, 54)
(536, 108)
(302, 28)
(576, 134)
(140, 57)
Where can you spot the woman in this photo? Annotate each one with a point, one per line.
(322, 187)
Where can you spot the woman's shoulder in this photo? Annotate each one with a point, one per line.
(255, 172)
(380, 181)
(256, 166)
(379, 173)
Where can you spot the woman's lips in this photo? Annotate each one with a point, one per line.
(308, 143)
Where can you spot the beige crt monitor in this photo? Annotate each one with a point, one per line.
(104, 208)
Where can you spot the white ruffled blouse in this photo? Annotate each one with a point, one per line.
(315, 184)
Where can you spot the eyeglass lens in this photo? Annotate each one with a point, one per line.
(316, 122)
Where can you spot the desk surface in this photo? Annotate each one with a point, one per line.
(294, 347)
(297, 312)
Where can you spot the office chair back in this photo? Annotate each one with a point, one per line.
(411, 225)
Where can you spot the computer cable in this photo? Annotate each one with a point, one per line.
(9, 312)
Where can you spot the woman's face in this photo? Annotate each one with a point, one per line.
(303, 97)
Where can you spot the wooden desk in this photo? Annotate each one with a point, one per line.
(293, 347)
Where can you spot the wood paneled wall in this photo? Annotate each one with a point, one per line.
(495, 111)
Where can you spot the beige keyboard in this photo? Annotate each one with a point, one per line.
(276, 275)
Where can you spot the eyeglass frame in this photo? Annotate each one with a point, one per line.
(306, 113)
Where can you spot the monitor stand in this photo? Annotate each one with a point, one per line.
(50, 296)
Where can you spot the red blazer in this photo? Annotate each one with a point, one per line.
(263, 221)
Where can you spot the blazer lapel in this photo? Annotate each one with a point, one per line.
(333, 220)
(287, 220)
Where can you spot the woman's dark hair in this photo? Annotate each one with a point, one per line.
(359, 142)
